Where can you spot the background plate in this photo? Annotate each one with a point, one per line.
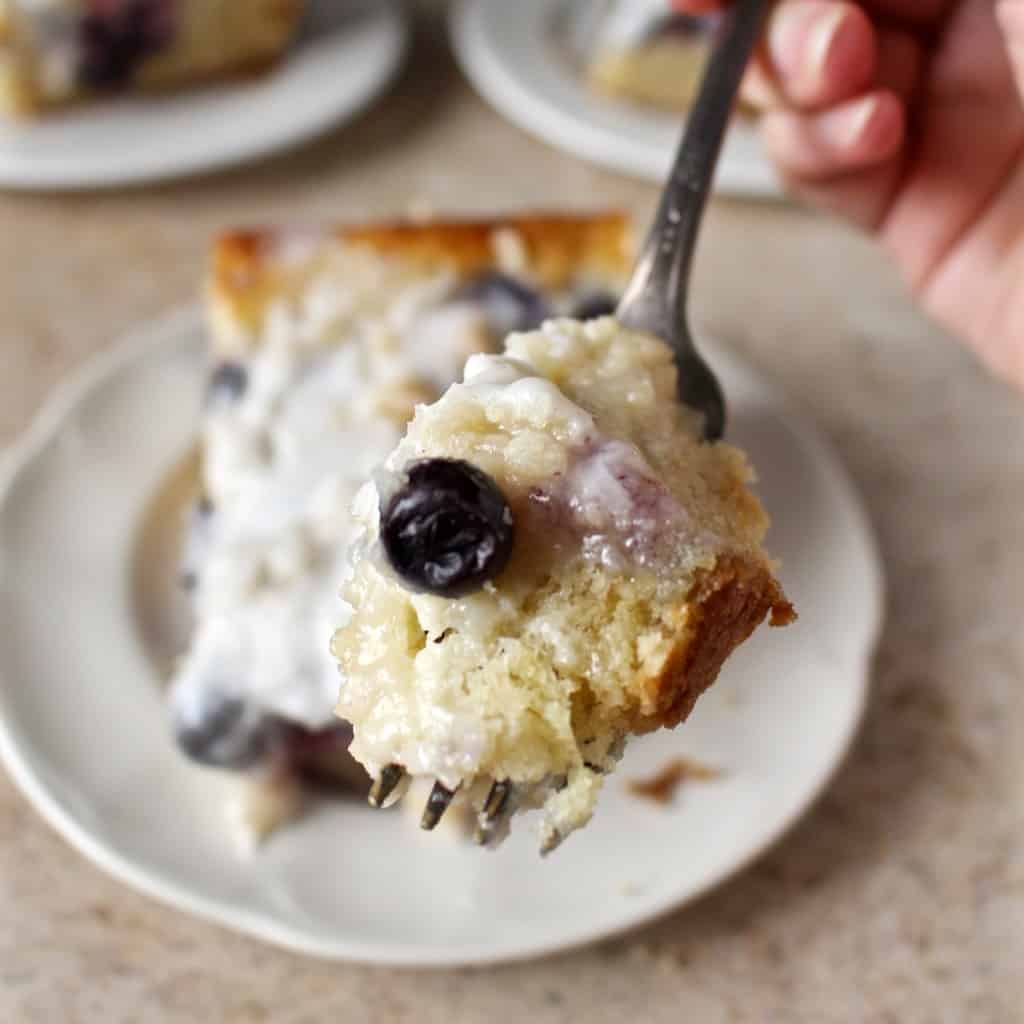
(507, 51)
(84, 735)
(346, 54)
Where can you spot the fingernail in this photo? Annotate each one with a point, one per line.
(800, 38)
(844, 128)
(824, 35)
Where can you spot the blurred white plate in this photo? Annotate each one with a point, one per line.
(347, 52)
(83, 731)
(508, 51)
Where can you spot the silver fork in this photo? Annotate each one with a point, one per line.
(655, 298)
(654, 302)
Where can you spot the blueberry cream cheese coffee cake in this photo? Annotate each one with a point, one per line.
(322, 344)
(639, 50)
(550, 561)
(53, 52)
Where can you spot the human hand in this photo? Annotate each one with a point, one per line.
(906, 116)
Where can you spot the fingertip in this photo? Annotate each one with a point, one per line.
(883, 127)
(848, 59)
(820, 51)
(851, 136)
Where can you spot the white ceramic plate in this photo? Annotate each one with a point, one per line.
(507, 51)
(347, 52)
(83, 733)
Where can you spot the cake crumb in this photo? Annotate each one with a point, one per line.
(661, 787)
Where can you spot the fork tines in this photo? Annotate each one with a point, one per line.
(437, 803)
(389, 786)
(550, 841)
(393, 781)
(496, 808)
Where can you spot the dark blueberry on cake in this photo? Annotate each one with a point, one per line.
(227, 384)
(508, 304)
(448, 529)
(222, 731)
(115, 41)
(593, 305)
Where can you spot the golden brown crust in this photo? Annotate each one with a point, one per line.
(555, 248)
(249, 268)
(724, 608)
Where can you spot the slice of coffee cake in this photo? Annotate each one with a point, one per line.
(551, 561)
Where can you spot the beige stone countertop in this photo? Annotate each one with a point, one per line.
(899, 898)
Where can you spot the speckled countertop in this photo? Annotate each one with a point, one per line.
(899, 898)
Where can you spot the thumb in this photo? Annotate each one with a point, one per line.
(1010, 15)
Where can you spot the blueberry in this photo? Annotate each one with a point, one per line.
(596, 304)
(448, 529)
(227, 384)
(508, 304)
(114, 44)
(222, 731)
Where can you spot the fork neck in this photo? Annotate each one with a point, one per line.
(656, 295)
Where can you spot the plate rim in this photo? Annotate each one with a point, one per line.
(513, 97)
(60, 175)
(172, 330)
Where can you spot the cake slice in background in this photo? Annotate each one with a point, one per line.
(663, 68)
(322, 342)
(54, 52)
(638, 50)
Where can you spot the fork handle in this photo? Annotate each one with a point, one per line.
(667, 253)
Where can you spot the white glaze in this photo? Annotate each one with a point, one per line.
(281, 467)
